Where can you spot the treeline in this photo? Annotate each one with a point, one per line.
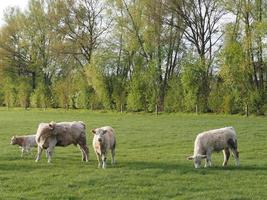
(136, 55)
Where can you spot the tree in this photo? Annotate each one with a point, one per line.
(82, 26)
(248, 30)
(201, 29)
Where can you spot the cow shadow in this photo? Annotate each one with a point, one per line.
(144, 165)
(184, 167)
(8, 166)
(239, 168)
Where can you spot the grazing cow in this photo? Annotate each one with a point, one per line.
(63, 134)
(215, 140)
(104, 140)
(25, 142)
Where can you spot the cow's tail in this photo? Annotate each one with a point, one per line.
(38, 139)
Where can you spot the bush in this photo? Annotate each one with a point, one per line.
(40, 97)
(257, 103)
(174, 99)
(10, 93)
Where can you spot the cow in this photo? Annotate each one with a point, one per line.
(215, 140)
(25, 142)
(62, 134)
(103, 141)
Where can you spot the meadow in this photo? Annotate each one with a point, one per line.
(151, 159)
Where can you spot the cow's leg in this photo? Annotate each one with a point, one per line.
(104, 159)
(83, 147)
(28, 149)
(98, 156)
(50, 149)
(39, 153)
(208, 159)
(233, 146)
(49, 153)
(22, 151)
(226, 155)
(85, 152)
(113, 156)
(236, 156)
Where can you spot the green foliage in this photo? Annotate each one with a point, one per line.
(232, 104)
(83, 98)
(174, 99)
(192, 78)
(144, 89)
(24, 92)
(40, 97)
(95, 79)
(119, 93)
(136, 99)
(216, 97)
(236, 75)
(152, 83)
(10, 93)
(62, 91)
(257, 101)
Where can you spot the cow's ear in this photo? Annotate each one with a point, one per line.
(52, 125)
(190, 158)
(93, 131)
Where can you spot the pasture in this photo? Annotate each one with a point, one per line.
(151, 159)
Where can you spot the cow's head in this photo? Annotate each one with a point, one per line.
(13, 140)
(197, 159)
(99, 134)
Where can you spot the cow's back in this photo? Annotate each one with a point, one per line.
(217, 138)
(69, 133)
(30, 140)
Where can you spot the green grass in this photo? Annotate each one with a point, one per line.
(151, 159)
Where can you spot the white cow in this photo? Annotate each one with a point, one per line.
(26, 142)
(103, 141)
(215, 140)
(63, 134)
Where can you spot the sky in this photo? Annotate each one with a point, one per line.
(6, 3)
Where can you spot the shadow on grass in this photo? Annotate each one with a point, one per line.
(27, 164)
(148, 165)
(143, 165)
(240, 168)
(17, 167)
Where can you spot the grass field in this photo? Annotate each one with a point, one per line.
(151, 159)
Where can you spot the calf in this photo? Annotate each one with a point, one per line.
(215, 140)
(63, 134)
(25, 142)
(103, 141)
